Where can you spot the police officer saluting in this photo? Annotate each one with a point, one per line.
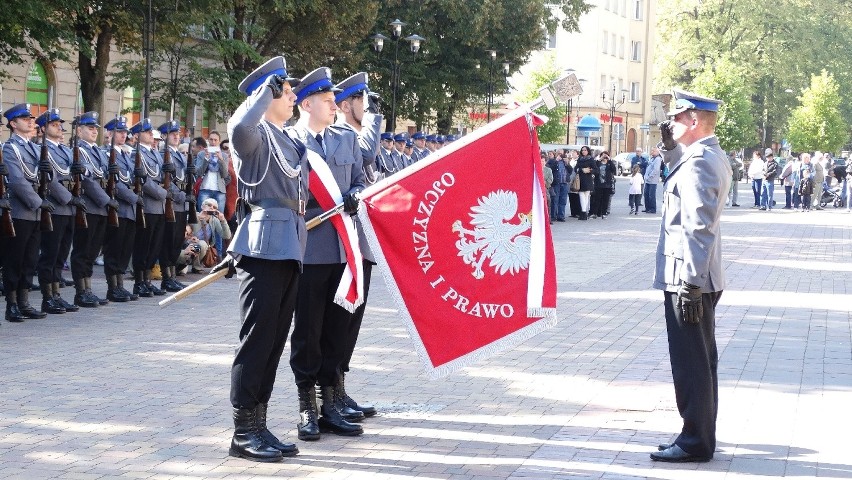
(149, 240)
(56, 244)
(174, 232)
(88, 241)
(320, 333)
(118, 241)
(268, 247)
(21, 158)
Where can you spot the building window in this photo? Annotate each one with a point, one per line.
(612, 44)
(605, 42)
(131, 105)
(603, 83)
(637, 9)
(634, 91)
(37, 88)
(621, 48)
(624, 8)
(636, 51)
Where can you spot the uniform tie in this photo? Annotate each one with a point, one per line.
(319, 141)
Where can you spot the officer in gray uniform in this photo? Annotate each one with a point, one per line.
(360, 114)
(268, 247)
(384, 161)
(320, 331)
(174, 232)
(20, 257)
(118, 242)
(689, 268)
(420, 151)
(56, 244)
(399, 158)
(149, 240)
(87, 242)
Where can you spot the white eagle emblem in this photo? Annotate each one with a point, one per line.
(492, 237)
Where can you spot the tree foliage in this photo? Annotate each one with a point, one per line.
(726, 81)
(546, 73)
(817, 124)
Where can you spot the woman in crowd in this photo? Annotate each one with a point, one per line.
(212, 168)
(806, 181)
(604, 185)
(755, 173)
(586, 171)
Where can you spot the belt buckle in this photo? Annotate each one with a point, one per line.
(302, 205)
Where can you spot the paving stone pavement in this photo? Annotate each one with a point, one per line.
(142, 392)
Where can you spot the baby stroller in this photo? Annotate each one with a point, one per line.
(831, 196)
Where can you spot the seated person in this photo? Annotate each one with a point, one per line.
(212, 226)
(192, 251)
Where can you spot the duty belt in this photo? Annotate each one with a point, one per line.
(297, 206)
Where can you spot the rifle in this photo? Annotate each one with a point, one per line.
(137, 187)
(167, 184)
(7, 228)
(77, 189)
(112, 213)
(44, 184)
(191, 216)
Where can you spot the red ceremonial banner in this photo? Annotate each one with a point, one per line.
(464, 243)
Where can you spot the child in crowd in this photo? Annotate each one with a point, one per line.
(635, 193)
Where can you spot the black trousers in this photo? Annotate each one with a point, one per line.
(87, 245)
(357, 317)
(321, 327)
(21, 255)
(173, 236)
(574, 203)
(55, 246)
(118, 246)
(267, 300)
(692, 348)
(600, 201)
(148, 242)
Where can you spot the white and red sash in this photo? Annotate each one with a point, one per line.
(350, 292)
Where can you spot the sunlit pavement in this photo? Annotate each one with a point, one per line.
(136, 391)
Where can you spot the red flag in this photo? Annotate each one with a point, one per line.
(463, 239)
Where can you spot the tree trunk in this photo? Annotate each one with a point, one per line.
(93, 76)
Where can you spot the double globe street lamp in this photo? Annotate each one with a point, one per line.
(378, 44)
(492, 57)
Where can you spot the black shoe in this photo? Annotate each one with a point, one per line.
(81, 298)
(675, 454)
(141, 290)
(367, 410)
(331, 419)
(247, 442)
(348, 413)
(69, 307)
(308, 426)
(286, 449)
(735, 204)
(664, 446)
(91, 294)
(154, 290)
(26, 309)
(13, 313)
(48, 304)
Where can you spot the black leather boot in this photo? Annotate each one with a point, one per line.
(81, 299)
(349, 414)
(101, 301)
(119, 279)
(331, 419)
(48, 304)
(24, 304)
(173, 276)
(154, 290)
(246, 442)
(168, 284)
(114, 294)
(367, 410)
(69, 307)
(140, 287)
(286, 449)
(13, 313)
(308, 427)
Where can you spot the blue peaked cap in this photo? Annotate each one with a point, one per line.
(18, 111)
(400, 137)
(387, 136)
(352, 86)
(143, 125)
(692, 101)
(88, 118)
(117, 124)
(48, 116)
(418, 136)
(273, 66)
(315, 82)
(169, 127)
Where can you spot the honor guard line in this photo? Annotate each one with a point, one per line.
(560, 90)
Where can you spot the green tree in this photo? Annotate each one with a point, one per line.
(546, 73)
(817, 123)
(735, 124)
(30, 28)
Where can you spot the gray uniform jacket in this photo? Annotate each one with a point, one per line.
(124, 186)
(272, 232)
(153, 194)
(368, 140)
(342, 153)
(386, 162)
(97, 165)
(417, 154)
(398, 160)
(21, 158)
(59, 194)
(179, 181)
(690, 244)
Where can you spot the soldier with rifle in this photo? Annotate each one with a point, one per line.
(7, 227)
(175, 228)
(149, 238)
(88, 242)
(118, 241)
(21, 158)
(56, 244)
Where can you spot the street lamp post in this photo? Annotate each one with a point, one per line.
(492, 55)
(613, 103)
(378, 44)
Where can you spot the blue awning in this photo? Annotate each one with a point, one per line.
(589, 124)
